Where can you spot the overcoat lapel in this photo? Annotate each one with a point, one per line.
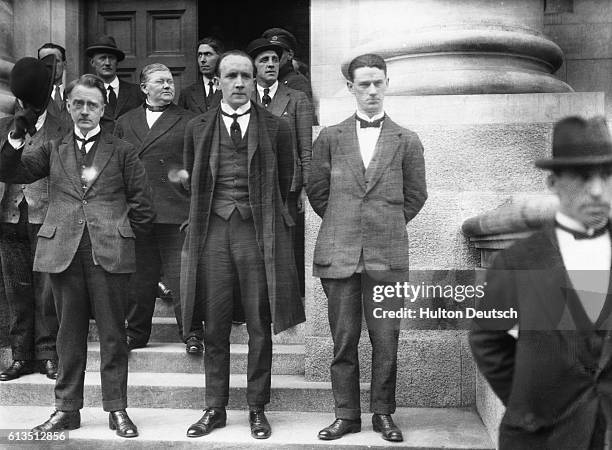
(164, 122)
(202, 129)
(253, 135)
(140, 126)
(349, 147)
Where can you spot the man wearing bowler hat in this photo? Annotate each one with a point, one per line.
(555, 379)
(121, 96)
(99, 199)
(33, 321)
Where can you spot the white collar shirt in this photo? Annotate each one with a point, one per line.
(243, 121)
(367, 137)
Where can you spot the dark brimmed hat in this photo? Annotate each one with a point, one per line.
(105, 44)
(282, 37)
(31, 80)
(579, 142)
(260, 45)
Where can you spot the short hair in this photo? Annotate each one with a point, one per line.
(230, 53)
(89, 81)
(214, 43)
(53, 46)
(367, 60)
(149, 69)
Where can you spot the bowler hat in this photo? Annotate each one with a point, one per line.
(260, 45)
(31, 80)
(579, 142)
(105, 44)
(282, 37)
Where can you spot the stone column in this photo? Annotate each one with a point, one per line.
(6, 56)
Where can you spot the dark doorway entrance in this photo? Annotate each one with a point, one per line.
(238, 23)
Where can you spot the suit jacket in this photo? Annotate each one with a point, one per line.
(269, 166)
(115, 204)
(193, 98)
(161, 151)
(60, 112)
(365, 211)
(295, 108)
(291, 78)
(550, 380)
(37, 193)
(130, 96)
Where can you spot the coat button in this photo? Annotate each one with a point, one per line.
(161, 161)
(84, 202)
(81, 221)
(163, 179)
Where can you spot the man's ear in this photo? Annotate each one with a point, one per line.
(551, 182)
(349, 86)
(143, 88)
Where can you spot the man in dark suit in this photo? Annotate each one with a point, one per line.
(367, 181)
(22, 210)
(295, 108)
(99, 201)
(121, 96)
(57, 104)
(157, 130)
(204, 94)
(555, 379)
(240, 164)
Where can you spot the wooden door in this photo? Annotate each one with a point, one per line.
(149, 31)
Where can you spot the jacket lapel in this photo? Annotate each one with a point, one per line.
(197, 94)
(253, 135)
(102, 156)
(140, 126)
(202, 129)
(280, 101)
(68, 161)
(384, 152)
(166, 121)
(121, 98)
(348, 146)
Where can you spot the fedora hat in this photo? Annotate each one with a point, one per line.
(260, 45)
(105, 44)
(31, 80)
(579, 142)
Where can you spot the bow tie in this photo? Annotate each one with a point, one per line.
(88, 140)
(155, 108)
(367, 124)
(235, 116)
(580, 234)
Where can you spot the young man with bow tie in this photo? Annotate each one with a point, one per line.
(555, 379)
(98, 201)
(367, 182)
(240, 163)
(156, 129)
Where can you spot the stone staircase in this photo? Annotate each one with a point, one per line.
(166, 395)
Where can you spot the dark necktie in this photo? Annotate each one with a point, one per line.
(155, 108)
(581, 235)
(367, 124)
(58, 98)
(84, 142)
(112, 100)
(235, 131)
(210, 93)
(266, 99)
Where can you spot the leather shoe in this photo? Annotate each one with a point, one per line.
(60, 420)
(120, 421)
(132, 343)
(383, 423)
(212, 418)
(194, 346)
(49, 368)
(260, 427)
(339, 428)
(18, 368)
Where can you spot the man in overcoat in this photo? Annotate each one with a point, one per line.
(367, 182)
(239, 233)
(99, 200)
(555, 379)
(157, 132)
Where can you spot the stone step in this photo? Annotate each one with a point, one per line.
(165, 330)
(288, 359)
(163, 308)
(423, 428)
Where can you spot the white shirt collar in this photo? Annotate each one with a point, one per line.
(41, 120)
(91, 132)
(114, 84)
(369, 119)
(241, 110)
(571, 223)
(273, 89)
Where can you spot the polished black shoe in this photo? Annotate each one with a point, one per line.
(60, 420)
(49, 368)
(212, 418)
(120, 421)
(17, 369)
(339, 428)
(194, 346)
(260, 427)
(383, 423)
(132, 343)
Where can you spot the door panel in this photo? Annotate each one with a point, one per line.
(149, 31)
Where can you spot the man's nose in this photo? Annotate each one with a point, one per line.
(597, 185)
(372, 89)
